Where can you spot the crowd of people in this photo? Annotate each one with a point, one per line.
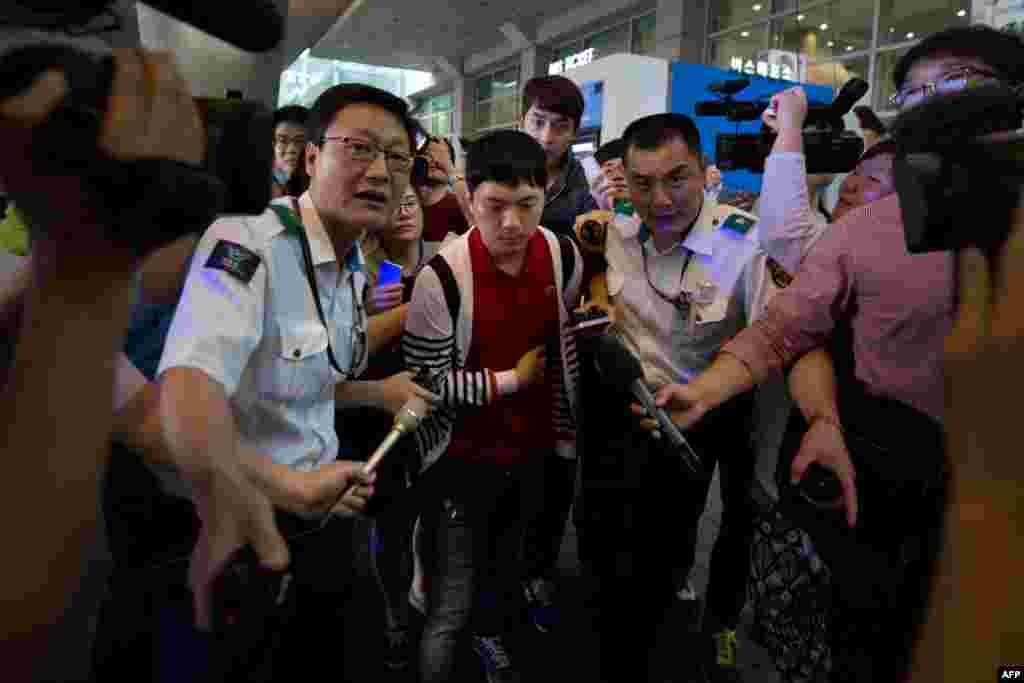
(239, 378)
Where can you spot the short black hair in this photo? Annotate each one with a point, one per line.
(430, 139)
(295, 113)
(1001, 50)
(869, 119)
(613, 149)
(340, 96)
(555, 94)
(883, 148)
(508, 157)
(651, 132)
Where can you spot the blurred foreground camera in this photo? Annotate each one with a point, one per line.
(142, 204)
(959, 168)
(828, 147)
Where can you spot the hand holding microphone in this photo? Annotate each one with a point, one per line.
(621, 369)
(406, 422)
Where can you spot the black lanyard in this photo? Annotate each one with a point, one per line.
(294, 223)
(682, 299)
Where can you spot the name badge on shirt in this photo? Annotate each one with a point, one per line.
(234, 259)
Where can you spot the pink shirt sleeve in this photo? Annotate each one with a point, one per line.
(802, 316)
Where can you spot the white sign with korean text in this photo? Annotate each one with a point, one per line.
(571, 62)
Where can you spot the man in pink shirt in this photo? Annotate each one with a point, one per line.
(896, 307)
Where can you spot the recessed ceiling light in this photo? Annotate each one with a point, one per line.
(824, 27)
(962, 13)
(799, 17)
(910, 36)
(757, 8)
(830, 43)
(892, 30)
(849, 48)
(745, 34)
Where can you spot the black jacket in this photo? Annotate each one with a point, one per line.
(568, 198)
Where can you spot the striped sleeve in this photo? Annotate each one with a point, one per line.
(428, 343)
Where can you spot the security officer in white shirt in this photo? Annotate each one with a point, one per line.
(269, 333)
(683, 278)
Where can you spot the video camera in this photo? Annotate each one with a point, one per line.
(828, 147)
(959, 168)
(142, 204)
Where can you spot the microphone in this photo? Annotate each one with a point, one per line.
(262, 29)
(622, 369)
(406, 421)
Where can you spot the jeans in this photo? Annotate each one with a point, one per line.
(472, 534)
(545, 530)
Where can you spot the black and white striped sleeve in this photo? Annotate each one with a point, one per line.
(428, 343)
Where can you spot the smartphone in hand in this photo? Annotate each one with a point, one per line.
(390, 273)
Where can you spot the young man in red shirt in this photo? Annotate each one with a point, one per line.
(488, 319)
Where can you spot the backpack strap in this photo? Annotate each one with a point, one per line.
(568, 260)
(448, 285)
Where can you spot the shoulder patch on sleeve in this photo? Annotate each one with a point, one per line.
(738, 223)
(234, 259)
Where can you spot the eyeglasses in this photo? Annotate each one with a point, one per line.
(953, 82)
(366, 152)
(284, 141)
(410, 205)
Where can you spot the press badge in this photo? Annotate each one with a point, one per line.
(234, 259)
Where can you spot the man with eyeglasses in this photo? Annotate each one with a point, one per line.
(442, 195)
(684, 275)
(897, 307)
(289, 141)
(269, 335)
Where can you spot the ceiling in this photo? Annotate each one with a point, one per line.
(412, 35)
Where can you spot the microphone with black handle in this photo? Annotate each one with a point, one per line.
(621, 369)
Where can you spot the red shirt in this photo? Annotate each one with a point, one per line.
(444, 217)
(511, 315)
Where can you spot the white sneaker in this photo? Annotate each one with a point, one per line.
(686, 592)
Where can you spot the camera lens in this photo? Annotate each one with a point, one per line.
(590, 231)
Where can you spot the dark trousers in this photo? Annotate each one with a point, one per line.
(545, 531)
(641, 511)
(146, 627)
(472, 530)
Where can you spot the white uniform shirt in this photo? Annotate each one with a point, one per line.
(661, 336)
(263, 339)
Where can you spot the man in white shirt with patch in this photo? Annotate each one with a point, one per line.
(271, 330)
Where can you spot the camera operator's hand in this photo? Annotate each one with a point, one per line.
(601, 305)
(150, 115)
(530, 368)
(787, 111)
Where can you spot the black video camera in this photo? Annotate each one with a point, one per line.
(828, 147)
(145, 203)
(959, 168)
